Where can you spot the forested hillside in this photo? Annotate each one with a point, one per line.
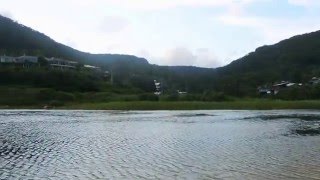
(296, 59)
(18, 39)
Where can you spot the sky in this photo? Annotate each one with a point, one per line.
(204, 33)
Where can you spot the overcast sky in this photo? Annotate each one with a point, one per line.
(206, 33)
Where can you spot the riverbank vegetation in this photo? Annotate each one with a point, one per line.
(254, 104)
(46, 88)
(22, 97)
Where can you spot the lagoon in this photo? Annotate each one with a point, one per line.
(215, 144)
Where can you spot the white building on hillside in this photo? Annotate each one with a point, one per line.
(58, 63)
(26, 59)
(92, 67)
(7, 59)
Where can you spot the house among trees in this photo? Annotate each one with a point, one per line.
(314, 81)
(264, 90)
(57, 63)
(283, 84)
(275, 88)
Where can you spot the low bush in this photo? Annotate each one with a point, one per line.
(50, 94)
(148, 97)
(214, 96)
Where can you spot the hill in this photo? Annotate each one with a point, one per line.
(296, 59)
(16, 38)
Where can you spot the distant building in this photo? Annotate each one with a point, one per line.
(181, 92)
(158, 88)
(92, 67)
(26, 59)
(282, 84)
(106, 74)
(7, 59)
(57, 63)
(264, 91)
(314, 81)
(276, 88)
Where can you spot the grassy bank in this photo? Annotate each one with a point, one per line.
(236, 105)
(25, 97)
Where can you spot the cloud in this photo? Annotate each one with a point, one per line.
(306, 3)
(71, 43)
(207, 58)
(180, 56)
(183, 56)
(113, 24)
(241, 20)
(272, 29)
(162, 4)
(7, 14)
(144, 53)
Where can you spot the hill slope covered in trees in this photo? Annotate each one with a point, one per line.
(18, 39)
(296, 59)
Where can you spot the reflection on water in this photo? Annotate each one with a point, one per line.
(305, 124)
(159, 144)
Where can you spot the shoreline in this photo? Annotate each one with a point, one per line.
(184, 105)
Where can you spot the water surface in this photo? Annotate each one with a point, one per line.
(159, 144)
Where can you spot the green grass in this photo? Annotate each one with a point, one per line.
(24, 97)
(232, 105)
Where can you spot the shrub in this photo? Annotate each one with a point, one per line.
(172, 97)
(293, 93)
(64, 96)
(55, 103)
(191, 97)
(46, 94)
(148, 97)
(214, 96)
(50, 94)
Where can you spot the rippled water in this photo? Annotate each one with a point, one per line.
(159, 145)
